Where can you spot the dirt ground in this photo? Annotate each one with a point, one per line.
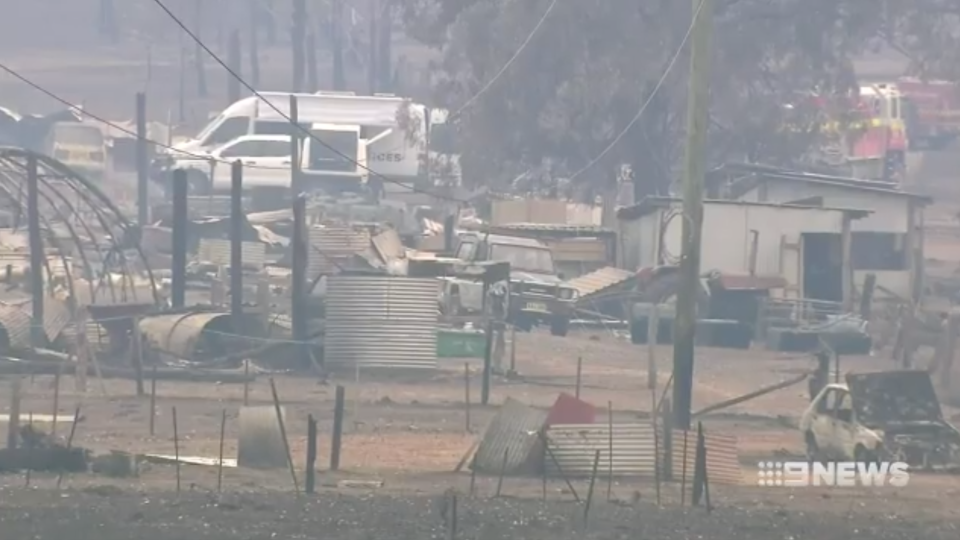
(410, 433)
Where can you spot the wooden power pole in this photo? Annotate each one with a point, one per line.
(698, 112)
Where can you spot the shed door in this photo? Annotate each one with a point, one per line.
(791, 264)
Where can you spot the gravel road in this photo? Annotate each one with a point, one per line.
(112, 514)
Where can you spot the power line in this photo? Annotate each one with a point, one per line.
(643, 108)
(277, 110)
(509, 62)
(116, 126)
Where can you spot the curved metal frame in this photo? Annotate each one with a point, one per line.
(90, 218)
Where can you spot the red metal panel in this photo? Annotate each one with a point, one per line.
(570, 410)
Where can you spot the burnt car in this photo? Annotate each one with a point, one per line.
(890, 416)
(903, 406)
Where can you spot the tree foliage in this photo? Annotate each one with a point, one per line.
(585, 73)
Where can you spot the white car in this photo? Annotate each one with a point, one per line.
(831, 430)
(888, 415)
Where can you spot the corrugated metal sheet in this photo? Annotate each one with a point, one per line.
(56, 316)
(16, 325)
(723, 456)
(381, 321)
(580, 250)
(217, 251)
(178, 334)
(513, 431)
(333, 245)
(574, 447)
(600, 280)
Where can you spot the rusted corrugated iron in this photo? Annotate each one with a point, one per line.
(600, 281)
(179, 334)
(217, 251)
(723, 456)
(381, 321)
(15, 326)
(574, 448)
(512, 432)
(56, 316)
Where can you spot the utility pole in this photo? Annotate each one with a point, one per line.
(373, 69)
(298, 36)
(698, 111)
(143, 164)
(336, 46)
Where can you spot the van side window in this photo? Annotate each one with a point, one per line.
(230, 129)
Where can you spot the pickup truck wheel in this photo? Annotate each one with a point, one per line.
(559, 326)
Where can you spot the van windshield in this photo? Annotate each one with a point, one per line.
(210, 127)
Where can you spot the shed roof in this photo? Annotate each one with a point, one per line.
(649, 204)
(746, 176)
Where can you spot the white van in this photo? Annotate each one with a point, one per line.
(390, 150)
(267, 161)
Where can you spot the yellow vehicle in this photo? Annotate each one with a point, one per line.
(82, 147)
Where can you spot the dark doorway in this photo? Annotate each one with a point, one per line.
(823, 266)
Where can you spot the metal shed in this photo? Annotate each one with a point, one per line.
(381, 321)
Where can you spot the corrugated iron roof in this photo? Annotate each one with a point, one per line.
(16, 324)
(333, 246)
(554, 227)
(217, 251)
(723, 456)
(513, 431)
(574, 448)
(178, 334)
(599, 280)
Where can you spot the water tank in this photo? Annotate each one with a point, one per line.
(381, 321)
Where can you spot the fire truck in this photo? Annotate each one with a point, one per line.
(873, 133)
(932, 112)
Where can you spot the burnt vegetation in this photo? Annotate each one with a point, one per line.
(592, 64)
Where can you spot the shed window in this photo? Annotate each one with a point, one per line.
(878, 251)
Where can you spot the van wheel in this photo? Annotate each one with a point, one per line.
(198, 183)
